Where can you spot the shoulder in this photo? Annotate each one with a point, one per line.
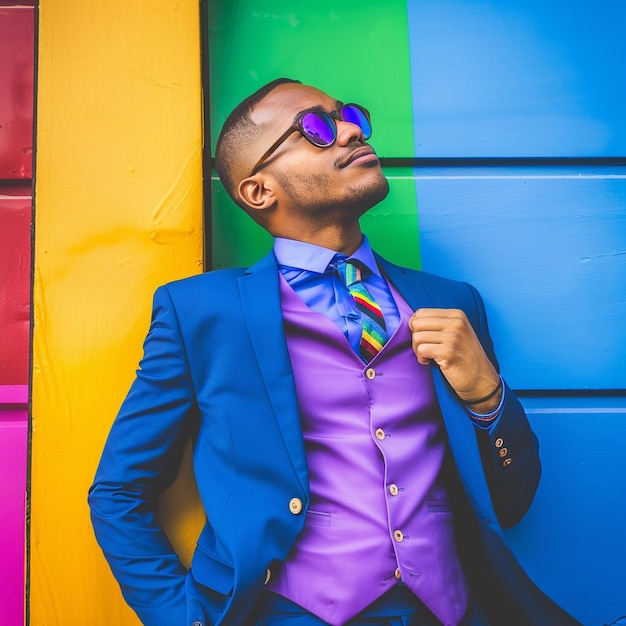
(443, 292)
(200, 290)
(213, 278)
(222, 279)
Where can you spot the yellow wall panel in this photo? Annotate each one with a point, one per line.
(118, 211)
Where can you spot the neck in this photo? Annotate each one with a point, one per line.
(335, 238)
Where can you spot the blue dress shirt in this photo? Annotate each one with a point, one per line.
(308, 270)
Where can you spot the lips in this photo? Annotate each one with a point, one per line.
(365, 153)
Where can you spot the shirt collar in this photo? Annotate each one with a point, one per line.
(313, 258)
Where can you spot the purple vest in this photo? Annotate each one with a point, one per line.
(375, 445)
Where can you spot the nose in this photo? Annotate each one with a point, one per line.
(347, 132)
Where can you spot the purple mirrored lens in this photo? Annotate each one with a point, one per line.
(356, 115)
(319, 128)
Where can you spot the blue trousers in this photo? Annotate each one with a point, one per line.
(398, 607)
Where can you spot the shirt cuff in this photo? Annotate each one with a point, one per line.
(487, 420)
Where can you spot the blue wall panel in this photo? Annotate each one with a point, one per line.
(572, 540)
(509, 78)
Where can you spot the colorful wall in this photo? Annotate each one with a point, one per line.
(501, 129)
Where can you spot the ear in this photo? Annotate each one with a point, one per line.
(256, 193)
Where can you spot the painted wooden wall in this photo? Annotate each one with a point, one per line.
(501, 131)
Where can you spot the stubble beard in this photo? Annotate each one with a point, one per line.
(307, 195)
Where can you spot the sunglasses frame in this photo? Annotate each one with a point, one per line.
(297, 126)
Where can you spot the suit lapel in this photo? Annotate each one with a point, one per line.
(260, 297)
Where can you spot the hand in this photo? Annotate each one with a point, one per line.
(445, 337)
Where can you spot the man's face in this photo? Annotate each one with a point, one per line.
(344, 179)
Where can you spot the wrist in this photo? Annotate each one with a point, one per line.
(488, 403)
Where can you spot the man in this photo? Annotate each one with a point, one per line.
(355, 448)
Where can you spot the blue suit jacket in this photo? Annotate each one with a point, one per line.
(216, 368)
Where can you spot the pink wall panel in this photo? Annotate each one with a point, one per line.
(16, 100)
(13, 441)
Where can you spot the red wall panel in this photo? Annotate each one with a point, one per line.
(15, 226)
(16, 96)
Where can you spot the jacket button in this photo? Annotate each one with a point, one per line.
(370, 373)
(380, 434)
(397, 573)
(295, 506)
(398, 536)
(393, 489)
(268, 575)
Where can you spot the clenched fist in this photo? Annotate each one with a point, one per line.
(445, 337)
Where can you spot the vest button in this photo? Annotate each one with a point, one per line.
(268, 575)
(370, 373)
(295, 506)
(397, 573)
(506, 462)
(393, 489)
(380, 434)
(398, 536)
(499, 442)
(503, 452)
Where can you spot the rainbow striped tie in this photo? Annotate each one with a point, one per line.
(373, 329)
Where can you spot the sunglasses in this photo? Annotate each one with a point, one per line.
(320, 128)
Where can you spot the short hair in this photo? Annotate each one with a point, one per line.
(238, 132)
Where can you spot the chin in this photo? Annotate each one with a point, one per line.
(370, 193)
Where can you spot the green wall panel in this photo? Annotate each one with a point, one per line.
(355, 52)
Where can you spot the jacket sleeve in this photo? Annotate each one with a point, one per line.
(510, 455)
(510, 449)
(140, 460)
